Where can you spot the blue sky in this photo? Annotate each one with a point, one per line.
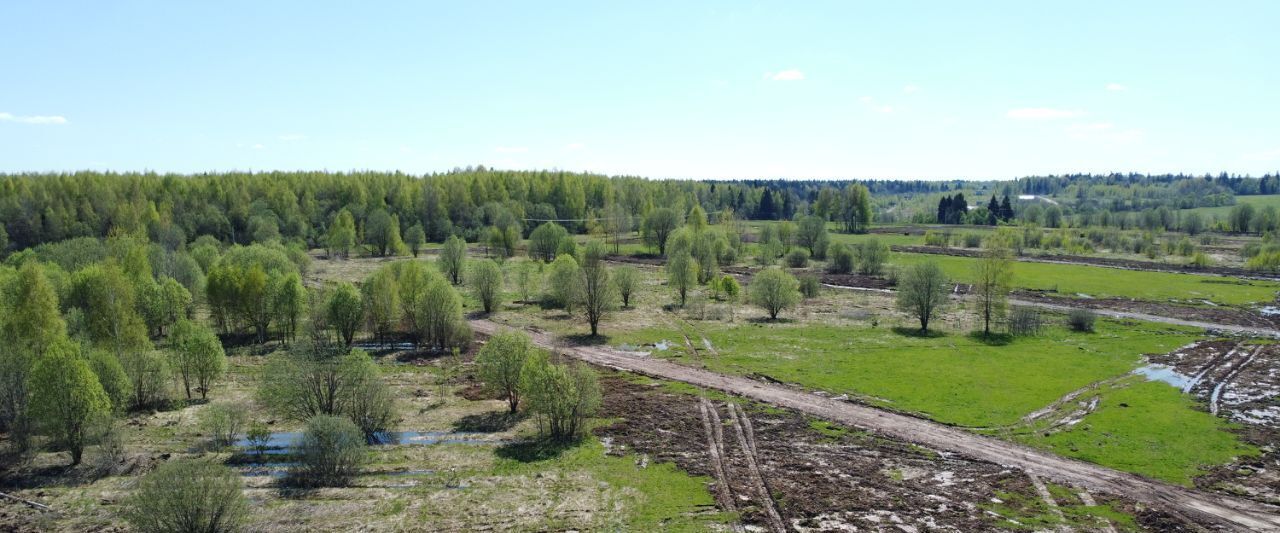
(926, 90)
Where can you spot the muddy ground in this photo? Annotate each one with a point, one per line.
(831, 479)
(1240, 381)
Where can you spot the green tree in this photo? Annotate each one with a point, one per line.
(563, 396)
(442, 324)
(697, 219)
(872, 255)
(289, 299)
(682, 274)
(627, 280)
(545, 241)
(111, 375)
(994, 277)
(108, 300)
(598, 293)
(342, 234)
(188, 496)
(922, 292)
(774, 290)
(658, 226)
(564, 283)
(382, 232)
(812, 235)
(486, 283)
(148, 374)
(855, 210)
(380, 295)
(331, 452)
(66, 398)
(499, 364)
(415, 237)
(453, 258)
(528, 279)
(33, 322)
(345, 311)
(197, 357)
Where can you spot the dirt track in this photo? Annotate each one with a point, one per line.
(1231, 513)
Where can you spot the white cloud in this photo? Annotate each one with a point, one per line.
(1116, 87)
(574, 146)
(785, 75)
(1041, 113)
(910, 88)
(291, 137)
(258, 146)
(871, 104)
(34, 119)
(511, 149)
(1096, 126)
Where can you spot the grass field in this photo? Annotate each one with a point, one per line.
(958, 379)
(1149, 428)
(1258, 201)
(1100, 282)
(954, 378)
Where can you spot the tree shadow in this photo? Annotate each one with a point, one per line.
(915, 332)
(767, 320)
(586, 339)
(531, 451)
(491, 422)
(991, 339)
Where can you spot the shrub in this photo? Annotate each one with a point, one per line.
(258, 437)
(842, 259)
(809, 286)
(1081, 320)
(222, 422)
(798, 258)
(563, 396)
(972, 240)
(331, 452)
(872, 256)
(773, 290)
(731, 288)
(1025, 322)
(191, 495)
(1201, 260)
(934, 238)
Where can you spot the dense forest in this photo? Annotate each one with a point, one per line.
(300, 206)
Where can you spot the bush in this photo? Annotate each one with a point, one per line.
(1081, 320)
(258, 437)
(731, 288)
(773, 290)
(331, 452)
(1201, 260)
(1025, 322)
(191, 495)
(972, 240)
(842, 259)
(563, 396)
(222, 422)
(872, 256)
(934, 238)
(798, 258)
(809, 286)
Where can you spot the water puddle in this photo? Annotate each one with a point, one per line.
(285, 441)
(1164, 373)
(1269, 310)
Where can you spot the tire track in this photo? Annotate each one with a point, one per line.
(715, 447)
(1217, 389)
(753, 466)
(1229, 512)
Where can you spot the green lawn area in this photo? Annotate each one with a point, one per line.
(957, 379)
(1258, 201)
(1149, 428)
(1099, 282)
(954, 379)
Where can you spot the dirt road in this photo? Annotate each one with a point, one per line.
(1231, 513)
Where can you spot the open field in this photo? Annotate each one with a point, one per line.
(1257, 200)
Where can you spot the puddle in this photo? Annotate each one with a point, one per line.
(1165, 373)
(1269, 310)
(663, 345)
(283, 442)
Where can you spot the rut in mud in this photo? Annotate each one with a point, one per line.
(1233, 513)
(1238, 381)
(819, 481)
